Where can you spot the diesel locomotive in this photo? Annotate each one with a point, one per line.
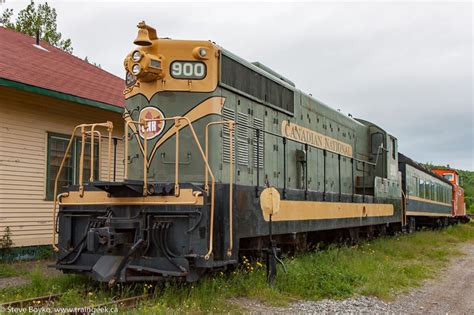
(216, 149)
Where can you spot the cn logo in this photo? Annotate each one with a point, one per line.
(154, 127)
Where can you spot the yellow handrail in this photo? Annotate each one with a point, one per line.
(83, 127)
(231, 124)
(99, 136)
(178, 125)
(109, 127)
(145, 168)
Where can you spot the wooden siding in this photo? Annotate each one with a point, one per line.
(25, 120)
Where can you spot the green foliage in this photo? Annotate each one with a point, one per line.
(42, 284)
(468, 185)
(41, 18)
(6, 242)
(380, 268)
(86, 59)
(7, 271)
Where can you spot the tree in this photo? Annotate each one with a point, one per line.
(33, 19)
(92, 63)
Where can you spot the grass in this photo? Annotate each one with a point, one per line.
(470, 210)
(378, 268)
(7, 271)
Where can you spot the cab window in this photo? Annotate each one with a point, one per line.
(448, 176)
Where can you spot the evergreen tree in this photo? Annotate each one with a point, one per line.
(32, 19)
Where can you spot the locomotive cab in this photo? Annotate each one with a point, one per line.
(459, 206)
(159, 220)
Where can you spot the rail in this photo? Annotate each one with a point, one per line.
(84, 133)
(36, 304)
(230, 124)
(178, 125)
(285, 141)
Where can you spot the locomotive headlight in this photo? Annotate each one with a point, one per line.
(136, 69)
(200, 53)
(136, 56)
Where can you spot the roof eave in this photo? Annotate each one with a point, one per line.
(59, 95)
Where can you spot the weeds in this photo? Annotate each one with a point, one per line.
(7, 271)
(377, 268)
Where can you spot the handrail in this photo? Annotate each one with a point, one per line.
(145, 169)
(231, 152)
(177, 125)
(310, 145)
(404, 208)
(109, 127)
(99, 136)
(83, 127)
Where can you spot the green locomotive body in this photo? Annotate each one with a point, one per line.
(205, 133)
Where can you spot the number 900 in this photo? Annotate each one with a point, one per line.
(194, 70)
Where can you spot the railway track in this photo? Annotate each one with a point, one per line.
(44, 302)
(40, 300)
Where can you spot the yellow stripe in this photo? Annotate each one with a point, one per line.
(186, 196)
(210, 106)
(427, 214)
(428, 200)
(291, 210)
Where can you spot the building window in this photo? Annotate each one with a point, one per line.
(57, 145)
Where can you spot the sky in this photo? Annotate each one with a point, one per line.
(405, 66)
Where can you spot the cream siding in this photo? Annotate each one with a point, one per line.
(25, 120)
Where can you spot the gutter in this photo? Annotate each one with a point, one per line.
(59, 95)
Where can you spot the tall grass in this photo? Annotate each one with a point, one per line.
(378, 268)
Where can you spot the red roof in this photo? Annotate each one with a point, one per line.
(53, 69)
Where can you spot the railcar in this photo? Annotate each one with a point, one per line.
(217, 149)
(427, 195)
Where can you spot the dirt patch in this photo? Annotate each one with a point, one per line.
(24, 270)
(451, 292)
(12, 282)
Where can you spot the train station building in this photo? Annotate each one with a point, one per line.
(44, 94)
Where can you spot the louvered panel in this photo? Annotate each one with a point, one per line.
(242, 139)
(227, 114)
(258, 123)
